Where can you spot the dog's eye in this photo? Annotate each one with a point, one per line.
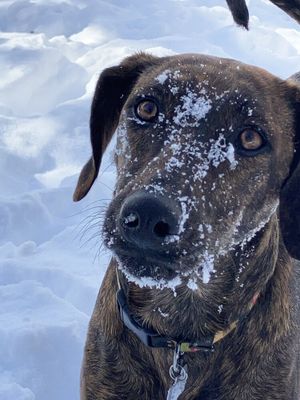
(146, 110)
(251, 140)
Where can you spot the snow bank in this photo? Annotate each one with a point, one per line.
(51, 54)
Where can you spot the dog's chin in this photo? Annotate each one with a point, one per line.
(145, 269)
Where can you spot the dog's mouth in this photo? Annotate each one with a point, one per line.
(163, 269)
(147, 263)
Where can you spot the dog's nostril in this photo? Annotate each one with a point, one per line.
(161, 229)
(131, 220)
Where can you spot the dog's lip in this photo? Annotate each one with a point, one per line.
(160, 259)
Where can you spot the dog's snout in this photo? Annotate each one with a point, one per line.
(146, 220)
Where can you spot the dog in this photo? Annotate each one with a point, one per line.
(201, 298)
(240, 13)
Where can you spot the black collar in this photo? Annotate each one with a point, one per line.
(154, 339)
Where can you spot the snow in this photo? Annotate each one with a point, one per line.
(145, 281)
(271, 209)
(192, 284)
(163, 314)
(207, 266)
(220, 151)
(161, 78)
(193, 108)
(51, 54)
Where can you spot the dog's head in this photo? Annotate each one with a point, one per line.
(206, 151)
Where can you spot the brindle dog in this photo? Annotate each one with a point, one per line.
(204, 226)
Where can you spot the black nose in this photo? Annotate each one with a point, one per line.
(146, 220)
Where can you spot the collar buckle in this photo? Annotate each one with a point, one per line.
(187, 347)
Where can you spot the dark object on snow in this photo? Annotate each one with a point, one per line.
(240, 12)
(205, 229)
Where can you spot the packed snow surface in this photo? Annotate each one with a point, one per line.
(51, 261)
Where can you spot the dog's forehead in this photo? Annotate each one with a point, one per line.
(201, 87)
(214, 75)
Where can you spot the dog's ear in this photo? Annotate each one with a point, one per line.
(239, 11)
(290, 191)
(112, 90)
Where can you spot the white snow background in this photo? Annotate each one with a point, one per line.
(51, 53)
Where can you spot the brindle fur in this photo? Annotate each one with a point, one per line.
(240, 12)
(260, 359)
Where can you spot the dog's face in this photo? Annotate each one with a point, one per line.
(204, 147)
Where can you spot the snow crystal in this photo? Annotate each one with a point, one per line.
(154, 188)
(161, 78)
(174, 89)
(231, 156)
(194, 108)
(123, 148)
(260, 226)
(164, 315)
(207, 266)
(171, 239)
(218, 153)
(184, 213)
(209, 228)
(172, 76)
(172, 163)
(192, 284)
(200, 229)
(130, 218)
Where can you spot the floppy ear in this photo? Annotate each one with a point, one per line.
(112, 90)
(290, 191)
(239, 12)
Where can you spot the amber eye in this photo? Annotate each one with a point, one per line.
(251, 140)
(146, 110)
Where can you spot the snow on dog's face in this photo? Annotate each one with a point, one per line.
(199, 146)
(192, 135)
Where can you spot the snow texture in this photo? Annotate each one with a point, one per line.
(51, 54)
(193, 109)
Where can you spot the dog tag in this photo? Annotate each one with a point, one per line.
(178, 386)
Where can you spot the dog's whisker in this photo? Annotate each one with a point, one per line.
(90, 229)
(91, 218)
(102, 205)
(102, 250)
(106, 168)
(90, 239)
(108, 187)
